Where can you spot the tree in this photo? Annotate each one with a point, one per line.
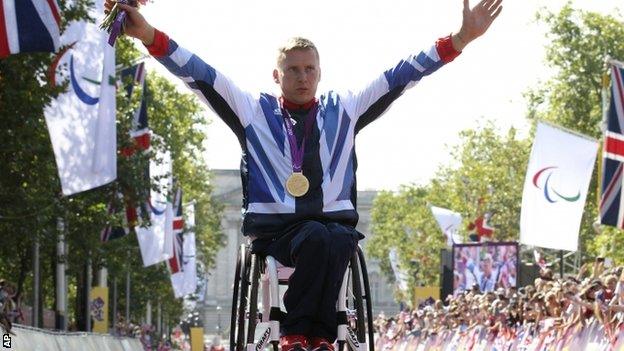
(488, 166)
(29, 187)
(30, 200)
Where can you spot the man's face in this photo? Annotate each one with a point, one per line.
(298, 75)
(487, 267)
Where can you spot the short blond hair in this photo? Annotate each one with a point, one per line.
(295, 43)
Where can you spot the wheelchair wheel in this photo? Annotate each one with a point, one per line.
(367, 296)
(239, 300)
(360, 295)
(359, 327)
(252, 319)
(235, 289)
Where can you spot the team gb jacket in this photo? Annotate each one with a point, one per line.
(329, 162)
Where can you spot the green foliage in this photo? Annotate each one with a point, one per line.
(403, 221)
(490, 166)
(30, 196)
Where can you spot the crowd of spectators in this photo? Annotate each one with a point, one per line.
(551, 305)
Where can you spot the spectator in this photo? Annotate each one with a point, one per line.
(550, 306)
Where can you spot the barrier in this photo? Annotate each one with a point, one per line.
(592, 337)
(34, 339)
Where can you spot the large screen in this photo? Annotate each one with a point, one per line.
(489, 266)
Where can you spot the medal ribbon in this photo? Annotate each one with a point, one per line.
(297, 152)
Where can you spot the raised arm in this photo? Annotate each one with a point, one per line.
(371, 102)
(233, 105)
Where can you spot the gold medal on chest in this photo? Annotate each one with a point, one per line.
(297, 184)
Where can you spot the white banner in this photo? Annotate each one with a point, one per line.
(81, 121)
(555, 188)
(156, 241)
(449, 223)
(177, 283)
(190, 251)
(400, 274)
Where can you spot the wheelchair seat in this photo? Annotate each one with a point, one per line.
(254, 329)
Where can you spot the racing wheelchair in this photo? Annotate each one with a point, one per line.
(252, 329)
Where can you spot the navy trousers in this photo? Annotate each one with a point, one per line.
(320, 253)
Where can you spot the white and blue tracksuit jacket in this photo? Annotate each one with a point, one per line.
(329, 163)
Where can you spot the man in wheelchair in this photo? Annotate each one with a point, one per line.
(298, 163)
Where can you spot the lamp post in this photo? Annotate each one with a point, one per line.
(219, 321)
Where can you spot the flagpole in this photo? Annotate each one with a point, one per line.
(36, 282)
(88, 284)
(127, 294)
(561, 264)
(61, 287)
(114, 323)
(134, 62)
(603, 129)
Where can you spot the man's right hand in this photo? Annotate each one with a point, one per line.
(135, 25)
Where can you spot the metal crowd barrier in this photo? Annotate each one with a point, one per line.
(33, 339)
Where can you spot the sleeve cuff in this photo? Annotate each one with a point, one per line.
(160, 46)
(445, 49)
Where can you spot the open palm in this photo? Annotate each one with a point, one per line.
(477, 20)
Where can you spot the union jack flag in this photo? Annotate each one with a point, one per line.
(175, 262)
(29, 26)
(130, 220)
(140, 133)
(611, 199)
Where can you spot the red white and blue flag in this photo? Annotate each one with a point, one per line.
(132, 77)
(611, 206)
(130, 219)
(176, 263)
(482, 227)
(29, 26)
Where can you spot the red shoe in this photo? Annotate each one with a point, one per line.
(321, 344)
(293, 343)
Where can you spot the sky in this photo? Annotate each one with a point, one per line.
(357, 41)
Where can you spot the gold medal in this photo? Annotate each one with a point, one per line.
(297, 184)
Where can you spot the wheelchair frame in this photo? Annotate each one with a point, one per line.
(356, 334)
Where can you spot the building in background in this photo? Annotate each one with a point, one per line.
(218, 303)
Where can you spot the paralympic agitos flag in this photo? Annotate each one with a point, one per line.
(81, 121)
(611, 206)
(555, 188)
(156, 241)
(29, 26)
